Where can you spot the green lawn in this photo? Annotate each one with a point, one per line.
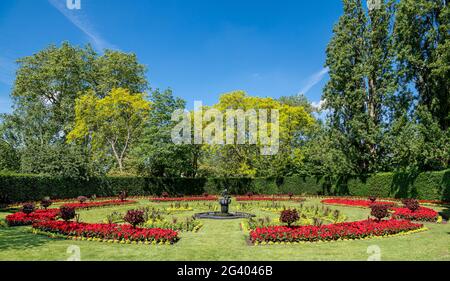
(225, 241)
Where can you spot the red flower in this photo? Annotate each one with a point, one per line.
(350, 230)
(20, 218)
(192, 198)
(422, 214)
(358, 203)
(98, 204)
(107, 231)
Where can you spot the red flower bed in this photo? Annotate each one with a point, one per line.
(99, 204)
(107, 231)
(356, 203)
(422, 214)
(20, 218)
(185, 199)
(350, 230)
(266, 198)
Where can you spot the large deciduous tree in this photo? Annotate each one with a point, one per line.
(111, 123)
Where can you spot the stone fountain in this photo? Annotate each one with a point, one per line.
(224, 213)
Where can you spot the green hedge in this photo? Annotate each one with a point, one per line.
(431, 186)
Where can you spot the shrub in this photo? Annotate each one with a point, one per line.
(28, 208)
(290, 194)
(46, 202)
(372, 199)
(123, 195)
(164, 194)
(412, 204)
(134, 217)
(67, 213)
(250, 194)
(82, 199)
(379, 211)
(205, 194)
(289, 217)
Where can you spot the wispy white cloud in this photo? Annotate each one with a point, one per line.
(7, 71)
(313, 80)
(318, 105)
(80, 20)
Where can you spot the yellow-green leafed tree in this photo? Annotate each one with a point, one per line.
(111, 123)
(246, 160)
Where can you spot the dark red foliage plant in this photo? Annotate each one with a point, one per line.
(250, 194)
(28, 208)
(134, 217)
(290, 194)
(412, 204)
(82, 199)
(67, 213)
(289, 217)
(164, 195)
(372, 199)
(379, 211)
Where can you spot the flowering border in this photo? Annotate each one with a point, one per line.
(111, 233)
(99, 204)
(355, 202)
(334, 232)
(22, 219)
(184, 199)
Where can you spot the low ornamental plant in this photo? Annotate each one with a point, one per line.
(67, 213)
(289, 217)
(28, 208)
(46, 202)
(165, 194)
(250, 194)
(134, 217)
(205, 194)
(82, 199)
(412, 204)
(372, 199)
(379, 211)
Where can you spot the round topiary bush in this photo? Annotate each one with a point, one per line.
(134, 217)
(412, 204)
(290, 194)
(67, 213)
(289, 217)
(379, 211)
(28, 208)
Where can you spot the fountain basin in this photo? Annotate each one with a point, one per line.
(223, 216)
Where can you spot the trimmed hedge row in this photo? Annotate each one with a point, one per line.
(428, 186)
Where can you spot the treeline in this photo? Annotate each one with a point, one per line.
(81, 114)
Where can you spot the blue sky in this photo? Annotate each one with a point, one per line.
(199, 48)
